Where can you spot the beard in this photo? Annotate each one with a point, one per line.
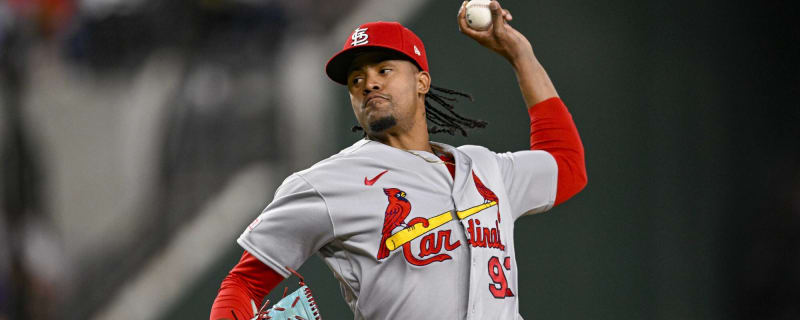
(382, 124)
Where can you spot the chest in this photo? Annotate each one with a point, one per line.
(419, 212)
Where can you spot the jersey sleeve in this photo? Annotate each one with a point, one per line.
(531, 179)
(291, 228)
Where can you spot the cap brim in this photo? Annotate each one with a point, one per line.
(339, 65)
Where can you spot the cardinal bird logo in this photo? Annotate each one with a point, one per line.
(486, 193)
(395, 215)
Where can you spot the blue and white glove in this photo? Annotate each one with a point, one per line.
(299, 305)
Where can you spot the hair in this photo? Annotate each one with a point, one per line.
(442, 116)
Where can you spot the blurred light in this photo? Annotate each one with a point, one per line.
(103, 8)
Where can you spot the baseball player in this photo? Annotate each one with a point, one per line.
(413, 229)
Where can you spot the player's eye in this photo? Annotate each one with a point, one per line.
(385, 70)
(356, 80)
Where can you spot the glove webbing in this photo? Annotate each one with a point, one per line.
(307, 307)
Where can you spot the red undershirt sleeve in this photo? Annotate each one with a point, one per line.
(249, 279)
(553, 130)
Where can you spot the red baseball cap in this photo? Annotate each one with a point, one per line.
(380, 34)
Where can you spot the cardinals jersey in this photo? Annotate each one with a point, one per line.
(405, 239)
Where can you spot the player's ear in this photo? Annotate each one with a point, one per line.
(423, 82)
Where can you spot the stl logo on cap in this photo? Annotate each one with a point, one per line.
(359, 37)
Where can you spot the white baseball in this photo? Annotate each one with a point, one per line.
(479, 17)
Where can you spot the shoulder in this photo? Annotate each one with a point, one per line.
(483, 153)
(478, 153)
(357, 151)
(294, 184)
(524, 159)
(469, 149)
(333, 169)
(475, 149)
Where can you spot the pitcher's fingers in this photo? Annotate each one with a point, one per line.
(497, 16)
(461, 17)
(472, 33)
(507, 15)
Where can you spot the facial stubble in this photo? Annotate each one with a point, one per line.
(382, 124)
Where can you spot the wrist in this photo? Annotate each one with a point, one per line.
(522, 60)
(520, 54)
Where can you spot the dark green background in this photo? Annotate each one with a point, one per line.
(687, 111)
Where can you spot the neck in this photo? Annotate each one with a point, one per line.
(415, 140)
(404, 143)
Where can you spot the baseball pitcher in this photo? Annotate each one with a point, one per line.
(412, 229)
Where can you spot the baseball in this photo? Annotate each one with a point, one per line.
(479, 17)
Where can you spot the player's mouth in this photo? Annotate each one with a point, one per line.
(373, 98)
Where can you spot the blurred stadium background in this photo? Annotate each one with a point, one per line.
(139, 138)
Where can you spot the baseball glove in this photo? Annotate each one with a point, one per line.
(299, 305)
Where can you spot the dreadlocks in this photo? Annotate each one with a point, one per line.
(443, 117)
(449, 121)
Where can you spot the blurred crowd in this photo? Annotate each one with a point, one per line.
(59, 58)
(31, 260)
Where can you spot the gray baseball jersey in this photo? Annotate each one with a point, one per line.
(404, 238)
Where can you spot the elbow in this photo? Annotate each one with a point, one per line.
(567, 192)
(572, 178)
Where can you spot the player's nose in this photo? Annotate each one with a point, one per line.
(372, 83)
